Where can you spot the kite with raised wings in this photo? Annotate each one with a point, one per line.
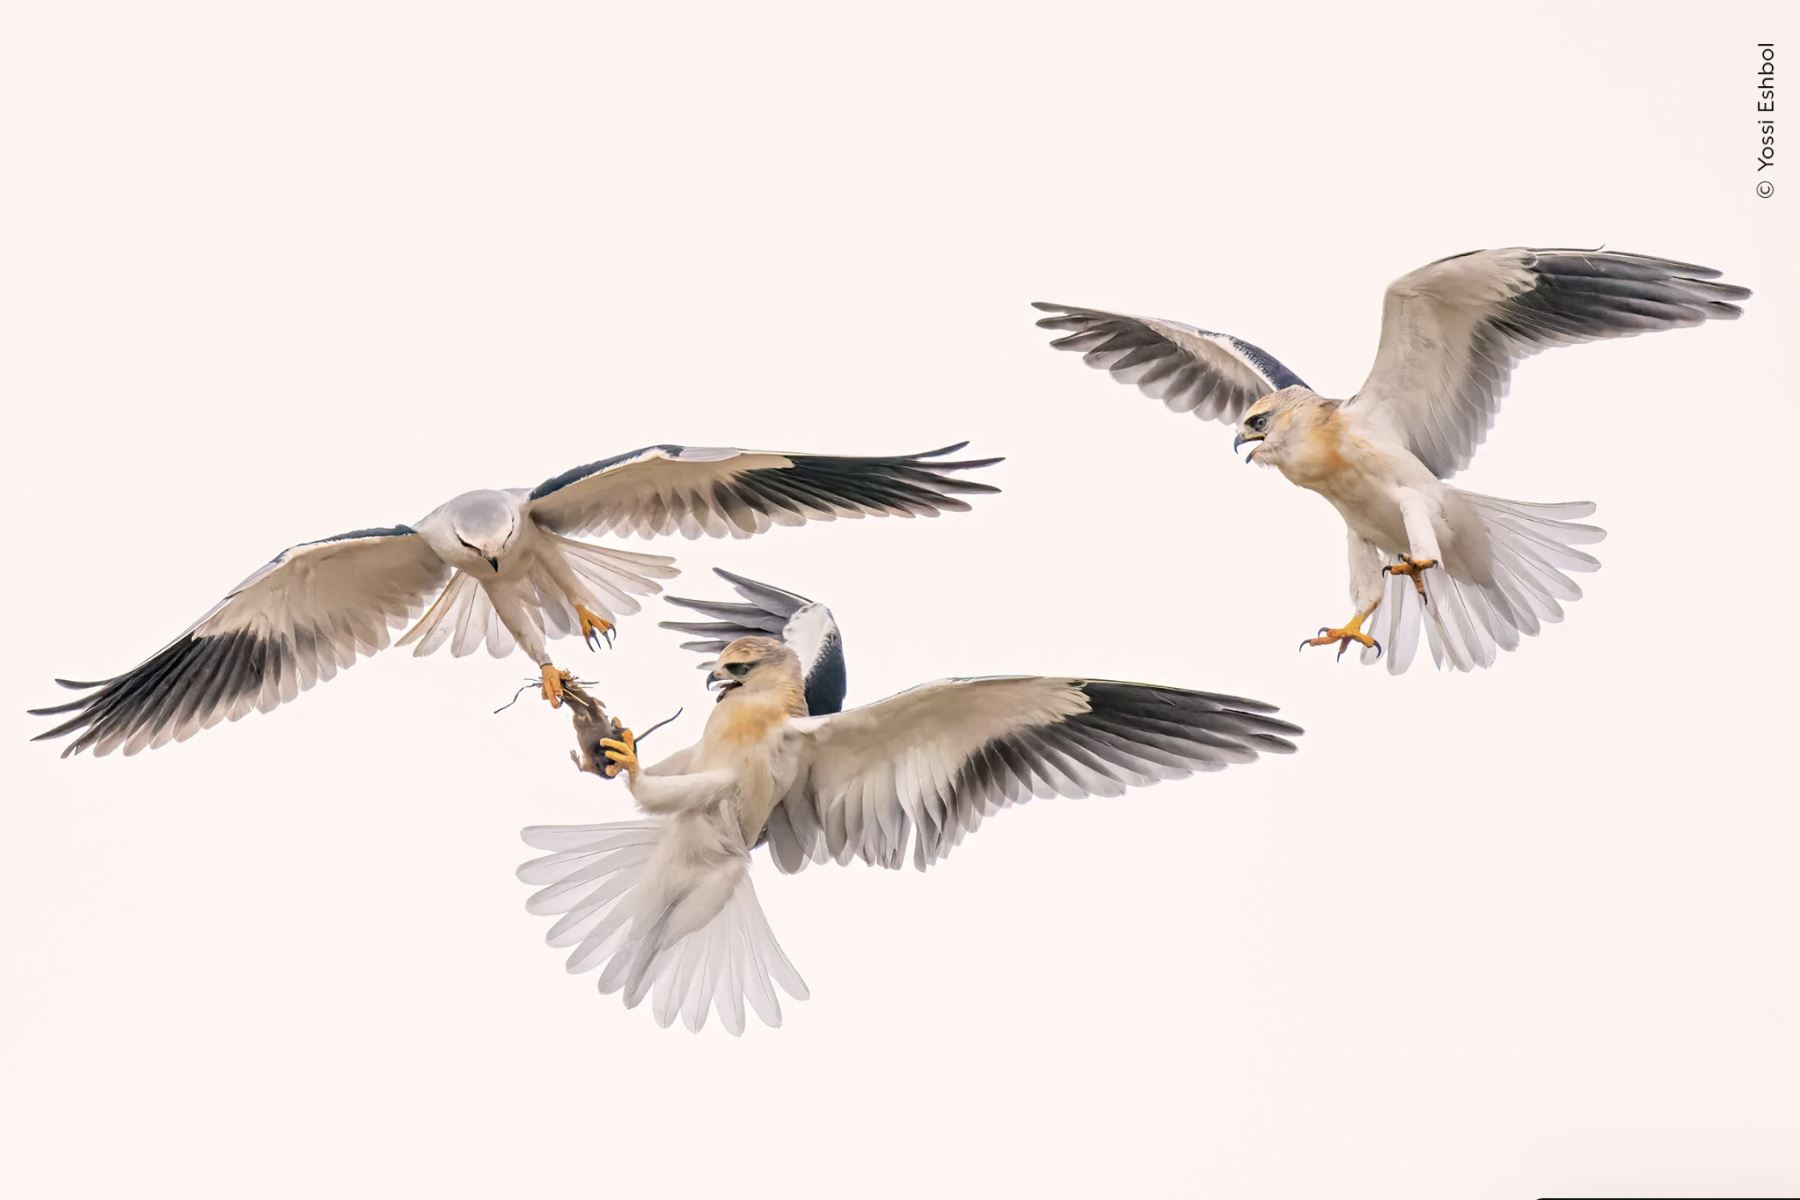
(664, 906)
(1451, 334)
(505, 569)
(805, 626)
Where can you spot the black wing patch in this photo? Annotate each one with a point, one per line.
(187, 679)
(557, 483)
(1132, 733)
(379, 531)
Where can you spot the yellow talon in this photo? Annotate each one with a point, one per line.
(621, 752)
(554, 681)
(593, 627)
(1415, 567)
(1345, 635)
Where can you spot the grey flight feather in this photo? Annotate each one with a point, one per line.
(912, 775)
(1453, 330)
(312, 610)
(720, 492)
(1215, 376)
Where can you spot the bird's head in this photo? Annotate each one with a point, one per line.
(756, 664)
(485, 526)
(1276, 419)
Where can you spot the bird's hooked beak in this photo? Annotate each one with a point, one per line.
(1240, 439)
(494, 562)
(722, 683)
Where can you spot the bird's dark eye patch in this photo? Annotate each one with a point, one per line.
(1259, 422)
(738, 669)
(465, 544)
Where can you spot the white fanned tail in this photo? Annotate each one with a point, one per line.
(662, 917)
(464, 615)
(1468, 623)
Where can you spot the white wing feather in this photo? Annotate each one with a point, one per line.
(924, 767)
(1452, 332)
(661, 916)
(720, 492)
(310, 612)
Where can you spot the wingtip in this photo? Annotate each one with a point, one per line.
(741, 581)
(939, 467)
(967, 485)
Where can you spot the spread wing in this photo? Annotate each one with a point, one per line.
(315, 608)
(927, 765)
(805, 625)
(1213, 375)
(1451, 332)
(718, 492)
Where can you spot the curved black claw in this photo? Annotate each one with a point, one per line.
(1415, 572)
(593, 638)
(1344, 644)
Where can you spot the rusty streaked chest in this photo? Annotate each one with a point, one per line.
(746, 736)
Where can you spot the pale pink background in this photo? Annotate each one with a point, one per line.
(269, 272)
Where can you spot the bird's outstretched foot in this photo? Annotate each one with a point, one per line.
(621, 753)
(1416, 568)
(594, 627)
(1343, 637)
(555, 680)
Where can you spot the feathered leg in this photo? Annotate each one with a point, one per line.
(1365, 593)
(1421, 537)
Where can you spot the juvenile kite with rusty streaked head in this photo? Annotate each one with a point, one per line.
(663, 907)
(1451, 334)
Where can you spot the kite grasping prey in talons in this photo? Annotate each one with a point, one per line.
(597, 731)
(1478, 572)
(505, 569)
(664, 907)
